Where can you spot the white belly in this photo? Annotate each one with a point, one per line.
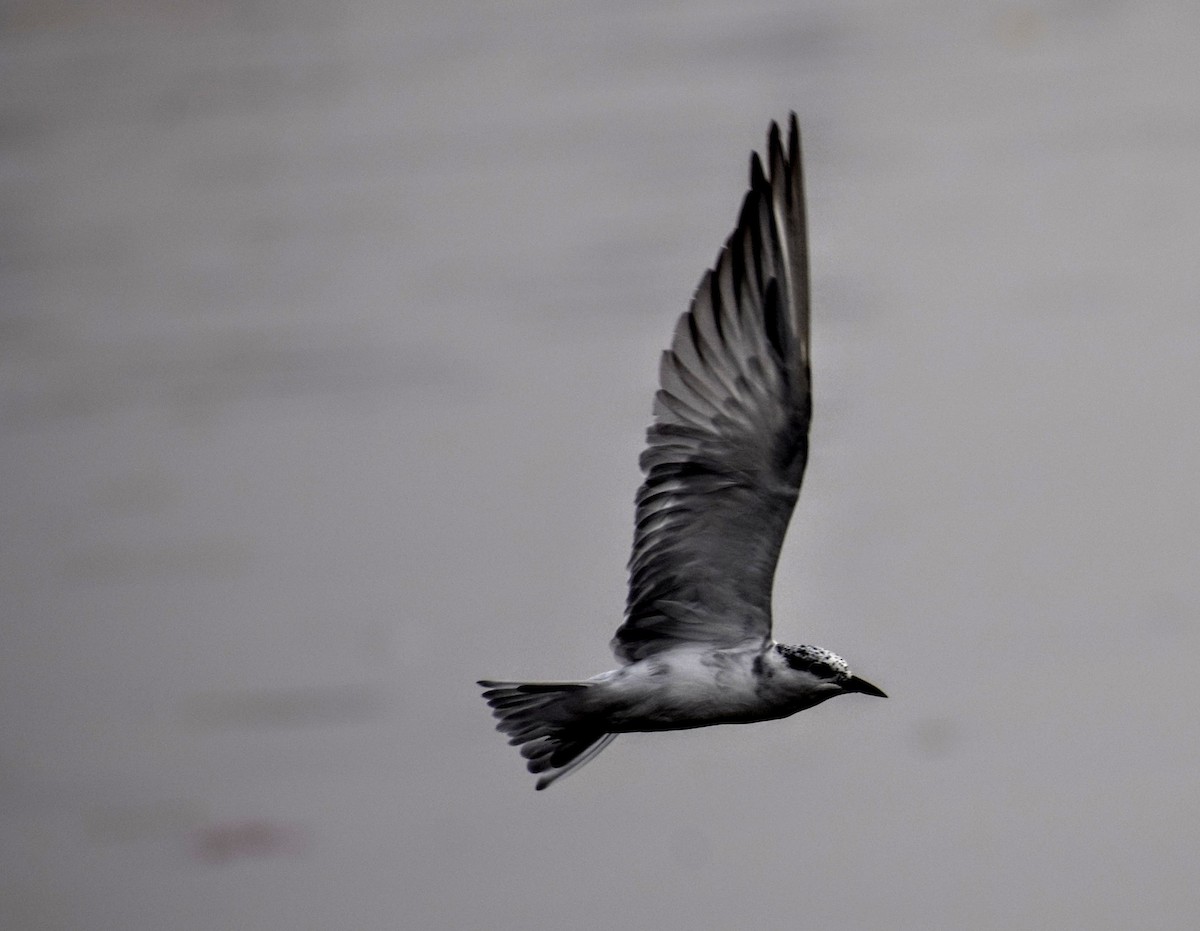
(684, 689)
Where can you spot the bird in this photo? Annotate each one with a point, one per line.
(724, 457)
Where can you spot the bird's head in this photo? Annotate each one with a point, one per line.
(830, 670)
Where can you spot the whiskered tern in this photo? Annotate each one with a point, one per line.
(723, 462)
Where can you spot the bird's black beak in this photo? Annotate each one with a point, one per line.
(855, 684)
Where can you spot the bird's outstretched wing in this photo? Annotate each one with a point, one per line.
(727, 449)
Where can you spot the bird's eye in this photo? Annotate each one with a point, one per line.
(805, 663)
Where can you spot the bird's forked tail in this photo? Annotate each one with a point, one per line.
(545, 720)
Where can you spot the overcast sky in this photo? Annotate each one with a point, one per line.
(328, 336)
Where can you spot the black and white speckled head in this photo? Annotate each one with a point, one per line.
(827, 666)
(821, 663)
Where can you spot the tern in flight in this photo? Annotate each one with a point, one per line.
(723, 462)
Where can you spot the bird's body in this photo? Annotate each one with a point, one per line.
(696, 687)
(723, 464)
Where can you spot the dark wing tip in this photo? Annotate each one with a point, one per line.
(773, 144)
(758, 178)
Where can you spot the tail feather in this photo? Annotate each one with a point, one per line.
(547, 724)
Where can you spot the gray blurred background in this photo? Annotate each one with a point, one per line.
(328, 334)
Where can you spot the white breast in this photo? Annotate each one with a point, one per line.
(684, 688)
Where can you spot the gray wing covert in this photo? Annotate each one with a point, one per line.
(726, 451)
